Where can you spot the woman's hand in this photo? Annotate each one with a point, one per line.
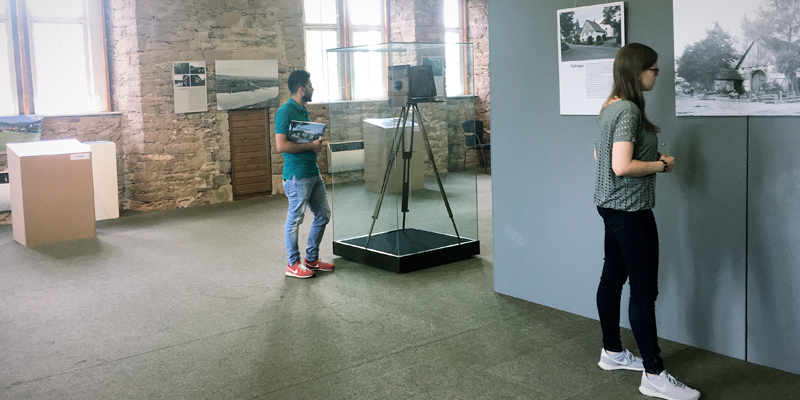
(669, 159)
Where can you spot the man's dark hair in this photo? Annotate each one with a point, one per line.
(296, 79)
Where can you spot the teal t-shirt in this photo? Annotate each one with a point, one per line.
(301, 165)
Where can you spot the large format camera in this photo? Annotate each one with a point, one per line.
(411, 84)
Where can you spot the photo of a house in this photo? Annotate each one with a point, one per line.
(590, 33)
(743, 61)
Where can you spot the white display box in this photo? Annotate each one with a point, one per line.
(104, 173)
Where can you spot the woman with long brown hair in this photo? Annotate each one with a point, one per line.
(628, 159)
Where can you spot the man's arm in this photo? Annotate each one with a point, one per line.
(283, 145)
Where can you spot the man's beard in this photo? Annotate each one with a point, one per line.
(307, 97)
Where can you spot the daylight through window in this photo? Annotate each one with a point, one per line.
(61, 57)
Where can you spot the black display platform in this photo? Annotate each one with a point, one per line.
(406, 250)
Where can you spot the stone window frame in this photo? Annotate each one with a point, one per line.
(6, 34)
(345, 30)
(21, 60)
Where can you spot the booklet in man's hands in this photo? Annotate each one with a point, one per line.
(305, 132)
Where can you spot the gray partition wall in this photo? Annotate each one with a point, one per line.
(730, 207)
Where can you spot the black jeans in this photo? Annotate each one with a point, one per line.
(631, 250)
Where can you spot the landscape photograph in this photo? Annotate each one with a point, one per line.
(246, 84)
(20, 128)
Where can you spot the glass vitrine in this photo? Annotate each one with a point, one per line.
(401, 196)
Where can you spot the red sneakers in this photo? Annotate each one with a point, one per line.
(318, 265)
(298, 270)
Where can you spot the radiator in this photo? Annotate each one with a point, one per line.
(346, 156)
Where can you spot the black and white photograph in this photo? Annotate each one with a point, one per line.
(590, 33)
(182, 81)
(588, 38)
(737, 58)
(305, 132)
(180, 68)
(246, 84)
(197, 80)
(189, 86)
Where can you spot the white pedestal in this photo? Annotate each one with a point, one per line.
(104, 173)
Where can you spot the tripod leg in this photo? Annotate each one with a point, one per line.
(435, 170)
(407, 152)
(398, 131)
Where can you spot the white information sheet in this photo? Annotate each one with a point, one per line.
(189, 82)
(588, 39)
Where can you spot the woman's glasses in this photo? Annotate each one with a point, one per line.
(655, 70)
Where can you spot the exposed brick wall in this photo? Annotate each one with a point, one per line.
(169, 160)
(478, 32)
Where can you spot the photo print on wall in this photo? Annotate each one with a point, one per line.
(588, 39)
(736, 58)
(20, 129)
(246, 84)
(189, 86)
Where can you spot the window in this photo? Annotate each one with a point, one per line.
(362, 22)
(8, 97)
(454, 32)
(56, 63)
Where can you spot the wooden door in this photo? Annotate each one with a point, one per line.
(251, 164)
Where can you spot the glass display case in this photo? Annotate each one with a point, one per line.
(401, 195)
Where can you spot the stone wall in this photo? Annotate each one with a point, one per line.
(168, 160)
(478, 33)
(181, 160)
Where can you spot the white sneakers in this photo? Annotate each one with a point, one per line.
(665, 386)
(623, 360)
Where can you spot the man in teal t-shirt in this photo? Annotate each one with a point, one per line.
(302, 182)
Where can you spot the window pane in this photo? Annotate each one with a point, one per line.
(317, 41)
(451, 14)
(364, 12)
(60, 72)
(453, 76)
(56, 8)
(8, 102)
(368, 69)
(320, 11)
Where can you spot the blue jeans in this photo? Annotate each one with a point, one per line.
(301, 193)
(631, 251)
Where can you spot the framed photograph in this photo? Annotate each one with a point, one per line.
(736, 57)
(189, 86)
(246, 84)
(588, 40)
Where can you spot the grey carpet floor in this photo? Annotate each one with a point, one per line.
(193, 304)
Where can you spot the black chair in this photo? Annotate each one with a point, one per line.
(473, 136)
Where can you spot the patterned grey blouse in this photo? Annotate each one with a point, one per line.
(618, 122)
